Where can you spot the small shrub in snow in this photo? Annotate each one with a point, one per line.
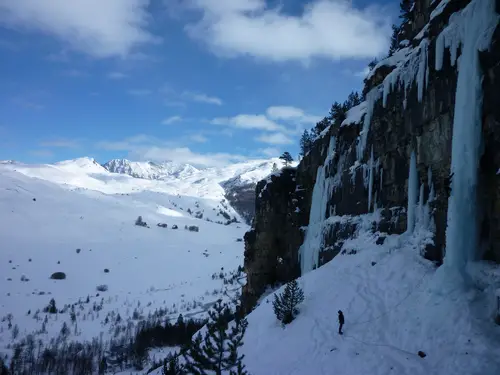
(51, 308)
(285, 304)
(24, 278)
(78, 251)
(175, 226)
(193, 228)
(106, 270)
(239, 240)
(102, 288)
(162, 225)
(140, 223)
(58, 276)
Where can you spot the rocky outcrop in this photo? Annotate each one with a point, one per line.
(271, 246)
(367, 165)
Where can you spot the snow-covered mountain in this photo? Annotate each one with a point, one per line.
(238, 180)
(149, 170)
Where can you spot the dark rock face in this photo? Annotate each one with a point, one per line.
(405, 125)
(271, 246)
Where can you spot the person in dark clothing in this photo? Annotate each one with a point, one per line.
(341, 322)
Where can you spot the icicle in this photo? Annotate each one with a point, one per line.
(412, 193)
(475, 26)
(371, 98)
(370, 183)
(313, 242)
(381, 178)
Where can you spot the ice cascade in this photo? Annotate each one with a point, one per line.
(313, 242)
(472, 29)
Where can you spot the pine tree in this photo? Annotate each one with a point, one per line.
(394, 40)
(285, 304)
(172, 366)
(287, 158)
(320, 126)
(217, 352)
(405, 7)
(305, 143)
(372, 64)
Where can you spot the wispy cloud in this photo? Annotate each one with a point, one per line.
(275, 139)
(199, 138)
(76, 73)
(42, 153)
(172, 120)
(61, 56)
(202, 98)
(139, 92)
(144, 147)
(291, 113)
(329, 29)
(244, 121)
(101, 29)
(282, 121)
(117, 75)
(269, 151)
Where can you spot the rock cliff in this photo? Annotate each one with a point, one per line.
(360, 172)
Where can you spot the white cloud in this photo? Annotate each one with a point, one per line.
(332, 29)
(275, 139)
(269, 151)
(259, 122)
(144, 147)
(99, 28)
(291, 113)
(363, 73)
(199, 138)
(117, 75)
(185, 155)
(139, 92)
(171, 120)
(202, 98)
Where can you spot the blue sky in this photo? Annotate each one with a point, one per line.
(207, 82)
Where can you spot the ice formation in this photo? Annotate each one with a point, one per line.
(472, 28)
(313, 242)
(370, 183)
(371, 98)
(412, 193)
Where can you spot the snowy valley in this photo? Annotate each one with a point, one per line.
(391, 216)
(77, 220)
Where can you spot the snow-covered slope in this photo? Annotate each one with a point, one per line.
(246, 172)
(395, 304)
(76, 217)
(235, 182)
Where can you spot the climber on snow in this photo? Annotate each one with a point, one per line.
(341, 322)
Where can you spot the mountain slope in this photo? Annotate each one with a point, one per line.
(75, 217)
(395, 303)
(238, 180)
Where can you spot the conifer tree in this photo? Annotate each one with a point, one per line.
(372, 64)
(287, 158)
(172, 366)
(285, 304)
(394, 39)
(305, 143)
(405, 7)
(217, 352)
(320, 126)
